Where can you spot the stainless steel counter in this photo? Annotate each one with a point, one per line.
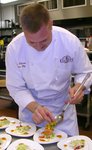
(51, 147)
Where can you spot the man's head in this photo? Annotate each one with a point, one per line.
(33, 16)
(37, 25)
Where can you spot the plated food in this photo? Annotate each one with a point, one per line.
(25, 144)
(22, 146)
(6, 121)
(75, 143)
(5, 140)
(46, 136)
(51, 125)
(21, 130)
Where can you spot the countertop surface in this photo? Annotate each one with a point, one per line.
(2, 83)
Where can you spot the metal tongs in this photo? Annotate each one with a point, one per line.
(60, 117)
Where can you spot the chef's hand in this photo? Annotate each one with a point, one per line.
(78, 97)
(41, 114)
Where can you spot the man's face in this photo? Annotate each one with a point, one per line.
(41, 39)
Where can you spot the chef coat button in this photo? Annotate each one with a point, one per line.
(32, 64)
(56, 58)
(56, 78)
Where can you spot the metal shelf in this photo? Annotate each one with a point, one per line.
(84, 109)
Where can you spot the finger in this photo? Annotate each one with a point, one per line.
(46, 114)
(79, 95)
(41, 113)
(71, 95)
(71, 92)
(78, 99)
(49, 117)
(37, 118)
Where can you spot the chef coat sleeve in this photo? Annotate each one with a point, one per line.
(82, 65)
(14, 80)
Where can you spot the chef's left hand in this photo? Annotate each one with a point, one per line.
(78, 97)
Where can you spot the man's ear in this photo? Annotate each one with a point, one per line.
(50, 24)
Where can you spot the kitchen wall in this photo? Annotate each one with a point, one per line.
(69, 13)
(8, 12)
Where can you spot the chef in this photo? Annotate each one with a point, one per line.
(40, 62)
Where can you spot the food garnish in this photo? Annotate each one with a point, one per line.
(48, 133)
(2, 140)
(4, 122)
(77, 144)
(23, 146)
(50, 125)
(21, 129)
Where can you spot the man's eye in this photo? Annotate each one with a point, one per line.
(32, 42)
(44, 41)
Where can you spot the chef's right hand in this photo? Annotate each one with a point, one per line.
(41, 114)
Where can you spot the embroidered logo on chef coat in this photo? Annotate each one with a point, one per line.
(21, 65)
(66, 59)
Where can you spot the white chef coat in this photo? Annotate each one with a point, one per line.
(45, 76)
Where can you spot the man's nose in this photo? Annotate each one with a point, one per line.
(38, 46)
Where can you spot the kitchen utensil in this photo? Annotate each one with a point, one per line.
(60, 117)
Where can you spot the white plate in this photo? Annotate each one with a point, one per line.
(10, 130)
(6, 139)
(52, 140)
(31, 144)
(12, 121)
(62, 143)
